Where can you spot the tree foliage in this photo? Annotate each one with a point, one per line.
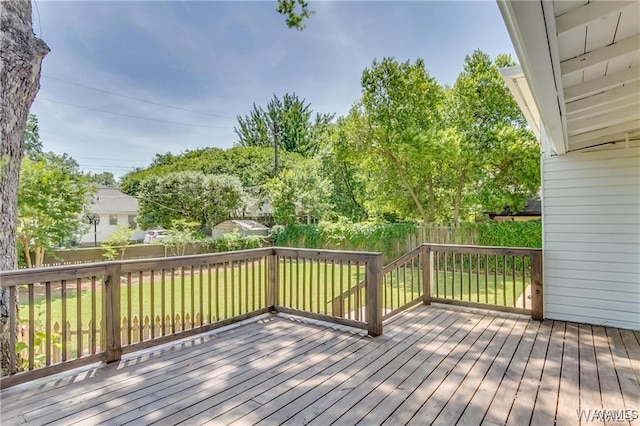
(252, 165)
(289, 120)
(32, 141)
(194, 196)
(115, 245)
(395, 132)
(300, 191)
(52, 196)
(104, 178)
(497, 161)
(295, 12)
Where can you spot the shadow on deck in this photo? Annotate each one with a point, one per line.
(433, 365)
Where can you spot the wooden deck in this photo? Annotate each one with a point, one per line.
(433, 365)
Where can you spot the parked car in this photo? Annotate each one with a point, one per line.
(155, 235)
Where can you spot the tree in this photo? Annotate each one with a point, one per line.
(21, 55)
(104, 178)
(194, 196)
(301, 189)
(179, 235)
(252, 165)
(395, 132)
(287, 120)
(115, 245)
(497, 156)
(52, 196)
(32, 141)
(345, 174)
(295, 11)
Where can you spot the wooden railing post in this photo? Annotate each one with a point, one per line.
(537, 310)
(427, 273)
(272, 281)
(374, 295)
(112, 312)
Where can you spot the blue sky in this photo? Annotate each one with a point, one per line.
(212, 60)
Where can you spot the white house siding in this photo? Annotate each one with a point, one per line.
(591, 217)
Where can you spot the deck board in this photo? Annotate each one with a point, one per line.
(434, 365)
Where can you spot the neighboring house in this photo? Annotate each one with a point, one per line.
(531, 211)
(578, 86)
(244, 227)
(113, 208)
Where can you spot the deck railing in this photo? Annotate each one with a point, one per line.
(498, 278)
(71, 316)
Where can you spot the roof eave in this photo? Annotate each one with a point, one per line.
(538, 55)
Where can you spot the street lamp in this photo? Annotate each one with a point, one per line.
(94, 219)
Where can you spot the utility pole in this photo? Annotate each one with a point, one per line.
(275, 147)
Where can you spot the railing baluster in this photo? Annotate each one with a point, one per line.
(172, 312)
(304, 284)
(437, 273)
(13, 301)
(152, 303)
(79, 317)
(192, 282)
(524, 275)
(48, 330)
(141, 302)
(128, 333)
(163, 292)
(495, 279)
(216, 291)
(461, 276)
(356, 299)
(513, 276)
(63, 300)
(444, 281)
(404, 282)
(253, 284)
(183, 298)
(291, 296)
(326, 288)
(93, 315)
(504, 280)
(478, 278)
(32, 326)
(453, 276)
(486, 278)
(469, 275)
(233, 289)
(241, 289)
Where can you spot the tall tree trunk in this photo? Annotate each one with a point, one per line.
(457, 201)
(432, 197)
(407, 185)
(21, 54)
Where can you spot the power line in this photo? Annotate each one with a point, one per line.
(111, 159)
(134, 116)
(137, 99)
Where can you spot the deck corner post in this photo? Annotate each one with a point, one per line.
(112, 312)
(537, 295)
(374, 294)
(427, 273)
(272, 281)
